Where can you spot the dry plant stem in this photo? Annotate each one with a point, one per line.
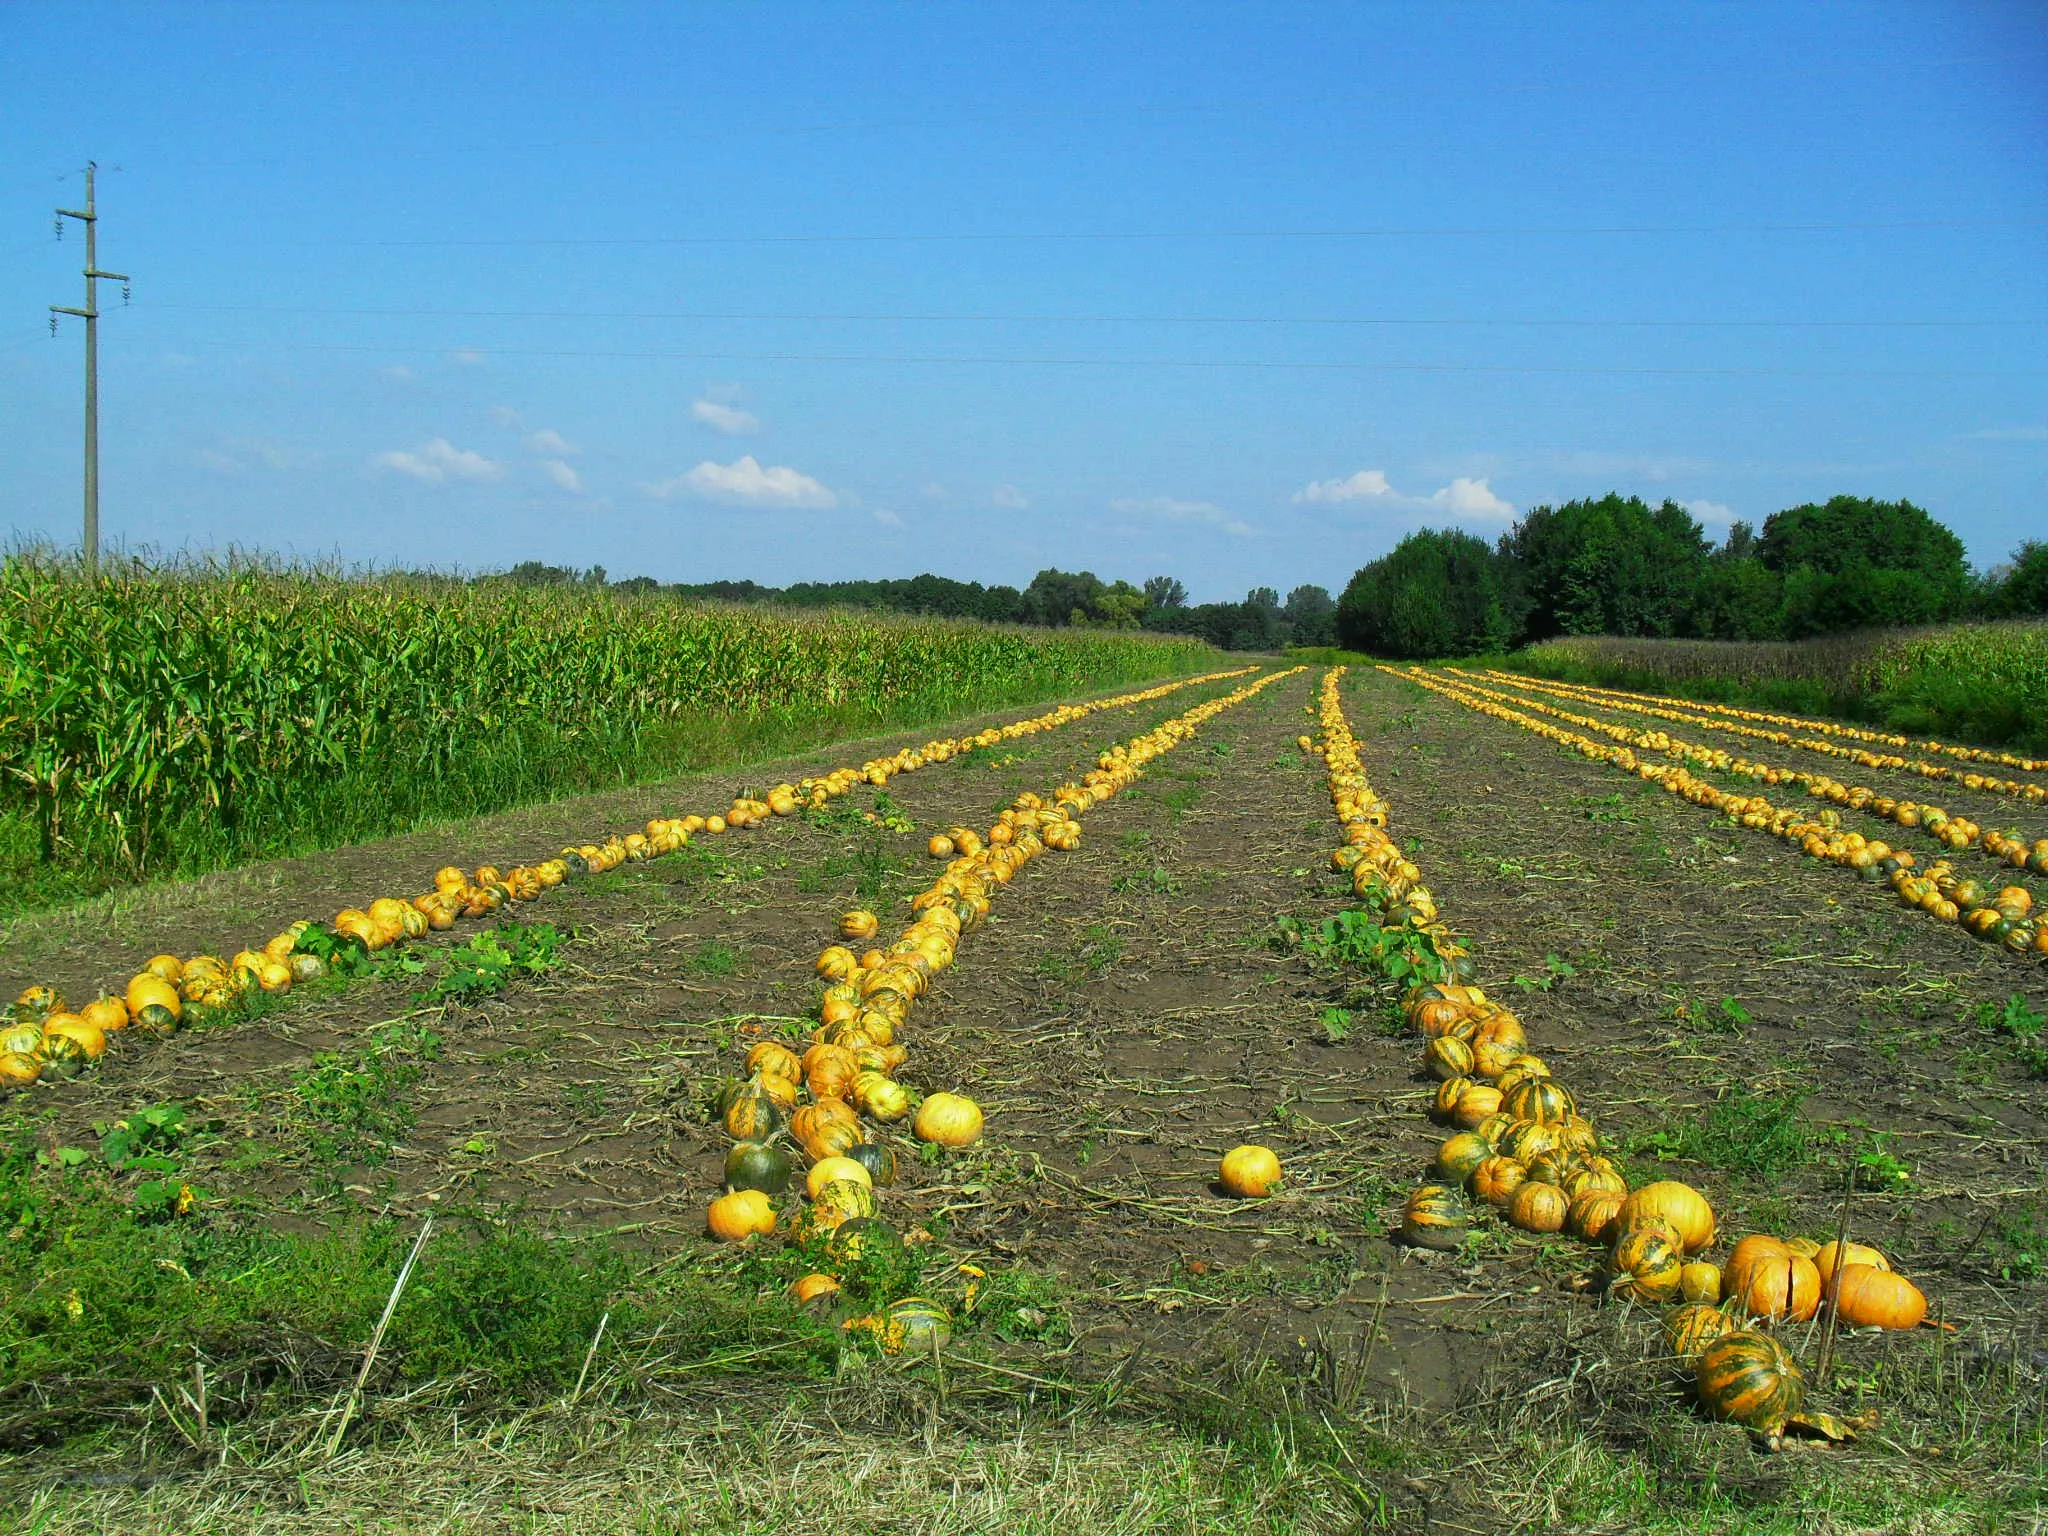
(355, 1392)
(589, 1355)
(1827, 1336)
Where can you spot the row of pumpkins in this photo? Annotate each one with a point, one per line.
(1523, 1147)
(1953, 832)
(43, 1038)
(2004, 918)
(1824, 727)
(820, 1099)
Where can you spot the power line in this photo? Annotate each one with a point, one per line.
(1041, 319)
(1001, 236)
(1169, 362)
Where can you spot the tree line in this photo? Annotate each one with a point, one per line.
(1054, 599)
(1618, 566)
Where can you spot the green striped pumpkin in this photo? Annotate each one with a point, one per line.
(1434, 1217)
(1749, 1378)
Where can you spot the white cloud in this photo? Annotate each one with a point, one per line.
(563, 475)
(548, 441)
(1463, 497)
(744, 482)
(1173, 510)
(466, 357)
(1367, 482)
(931, 490)
(1009, 498)
(2036, 434)
(728, 419)
(1472, 498)
(889, 519)
(505, 416)
(398, 373)
(438, 461)
(1711, 511)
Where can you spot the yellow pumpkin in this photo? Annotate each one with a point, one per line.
(1249, 1172)
(949, 1119)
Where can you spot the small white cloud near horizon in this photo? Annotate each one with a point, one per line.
(398, 373)
(1367, 482)
(467, 357)
(747, 483)
(727, 420)
(1009, 498)
(564, 475)
(1173, 510)
(551, 443)
(438, 461)
(1710, 511)
(1465, 496)
(889, 519)
(505, 416)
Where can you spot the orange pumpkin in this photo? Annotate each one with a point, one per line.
(1870, 1297)
(1537, 1207)
(1681, 1205)
(1851, 1253)
(1778, 1286)
(1496, 1180)
(1592, 1214)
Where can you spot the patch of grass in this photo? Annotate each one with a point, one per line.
(714, 957)
(1743, 1132)
(2022, 1025)
(352, 1105)
(481, 966)
(1090, 956)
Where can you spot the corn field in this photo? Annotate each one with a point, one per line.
(1988, 682)
(160, 720)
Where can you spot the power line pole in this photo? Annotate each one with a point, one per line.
(91, 316)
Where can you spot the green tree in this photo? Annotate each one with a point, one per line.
(1435, 594)
(1852, 562)
(1165, 592)
(1311, 615)
(1613, 566)
(2024, 589)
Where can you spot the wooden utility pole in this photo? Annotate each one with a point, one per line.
(91, 316)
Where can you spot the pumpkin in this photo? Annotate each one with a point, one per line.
(740, 1215)
(1435, 1016)
(1528, 1140)
(18, 1069)
(814, 1292)
(1595, 1175)
(1643, 1266)
(845, 1198)
(878, 1160)
(829, 1071)
(1692, 1328)
(1459, 1155)
(757, 1165)
(37, 1003)
(165, 967)
(780, 1089)
(1592, 1214)
(1749, 1378)
(881, 1096)
(1434, 1217)
(1552, 1167)
(154, 1003)
(858, 925)
(772, 1059)
(1539, 1099)
(1870, 1297)
(832, 1138)
(1476, 1105)
(106, 1013)
(949, 1119)
(1825, 1260)
(22, 1039)
(858, 1238)
(1680, 1204)
(89, 1038)
(1537, 1207)
(1776, 1286)
(913, 1324)
(751, 1114)
(1700, 1281)
(1249, 1171)
(1447, 1057)
(831, 1168)
(1496, 1180)
(1448, 1093)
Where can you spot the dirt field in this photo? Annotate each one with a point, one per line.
(1728, 1011)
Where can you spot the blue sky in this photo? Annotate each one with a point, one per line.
(1238, 293)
